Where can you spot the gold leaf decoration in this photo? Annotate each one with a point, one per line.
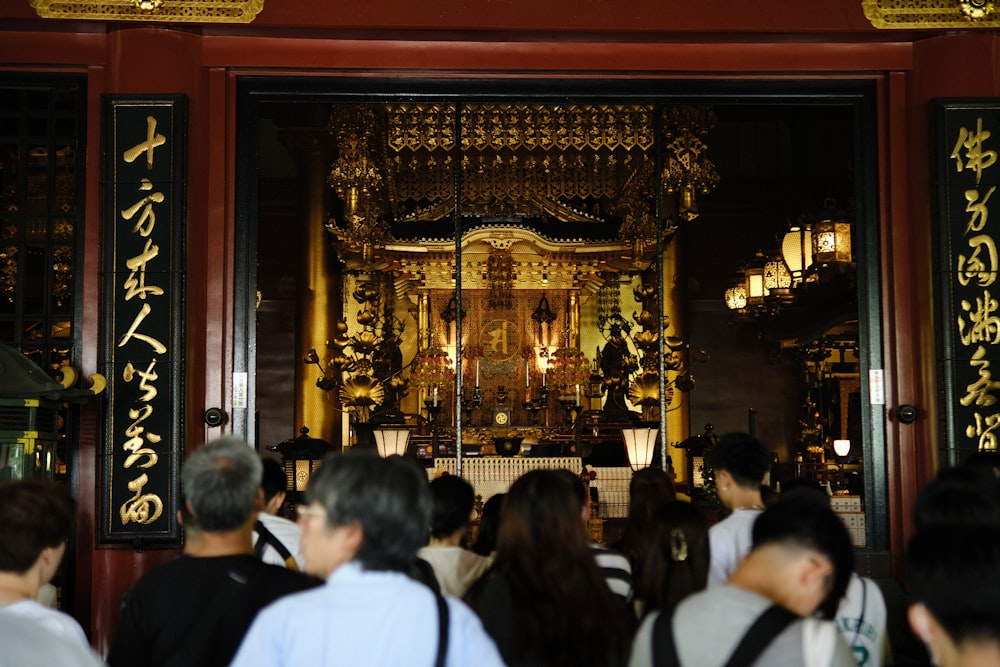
(174, 11)
(910, 14)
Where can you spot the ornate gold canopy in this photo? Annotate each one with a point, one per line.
(572, 173)
(179, 11)
(911, 14)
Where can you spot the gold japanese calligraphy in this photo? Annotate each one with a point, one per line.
(142, 508)
(977, 320)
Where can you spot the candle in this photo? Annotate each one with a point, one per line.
(578, 394)
(477, 373)
(527, 374)
(436, 395)
(543, 378)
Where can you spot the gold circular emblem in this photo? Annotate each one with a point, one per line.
(501, 418)
(500, 339)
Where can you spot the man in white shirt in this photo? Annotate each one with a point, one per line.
(35, 521)
(275, 538)
(364, 521)
(741, 465)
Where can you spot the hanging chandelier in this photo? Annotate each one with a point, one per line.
(357, 180)
(814, 262)
(687, 172)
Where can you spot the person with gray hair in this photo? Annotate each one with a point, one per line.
(195, 609)
(364, 521)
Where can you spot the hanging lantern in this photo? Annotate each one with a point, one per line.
(831, 236)
(776, 274)
(736, 293)
(831, 241)
(796, 250)
(755, 281)
(391, 441)
(777, 279)
(640, 443)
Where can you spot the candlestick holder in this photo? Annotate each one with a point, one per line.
(572, 410)
(432, 415)
(533, 408)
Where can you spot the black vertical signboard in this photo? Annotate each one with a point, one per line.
(967, 138)
(144, 223)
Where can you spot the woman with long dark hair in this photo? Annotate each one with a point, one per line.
(648, 491)
(544, 600)
(675, 557)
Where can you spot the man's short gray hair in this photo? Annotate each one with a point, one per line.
(220, 482)
(390, 498)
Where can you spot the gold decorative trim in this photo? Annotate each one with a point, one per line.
(173, 11)
(910, 14)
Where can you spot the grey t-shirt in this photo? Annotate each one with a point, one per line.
(708, 626)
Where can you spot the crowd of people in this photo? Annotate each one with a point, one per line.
(378, 570)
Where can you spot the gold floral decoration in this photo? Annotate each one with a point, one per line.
(365, 366)
(360, 393)
(432, 367)
(567, 368)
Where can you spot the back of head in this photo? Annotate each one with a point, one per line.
(952, 570)
(742, 456)
(984, 463)
(803, 520)
(273, 480)
(575, 484)
(675, 564)
(34, 515)
(489, 525)
(453, 499)
(564, 612)
(388, 497)
(798, 487)
(541, 517)
(220, 482)
(649, 489)
(958, 495)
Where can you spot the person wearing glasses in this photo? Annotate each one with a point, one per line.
(364, 519)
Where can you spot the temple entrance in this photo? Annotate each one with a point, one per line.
(504, 273)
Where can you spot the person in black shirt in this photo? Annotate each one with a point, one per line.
(195, 609)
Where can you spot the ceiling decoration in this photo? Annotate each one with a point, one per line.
(543, 167)
(179, 11)
(910, 14)
(518, 160)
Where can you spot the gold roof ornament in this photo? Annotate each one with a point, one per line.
(910, 14)
(164, 11)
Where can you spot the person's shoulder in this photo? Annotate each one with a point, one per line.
(281, 577)
(607, 552)
(292, 602)
(182, 569)
(472, 559)
(54, 620)
(25, 643)
(273, 522)
(468, 636)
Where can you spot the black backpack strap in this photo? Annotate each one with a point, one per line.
(264, 538)
(442, 652)
(763, 631)
(664, 648)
